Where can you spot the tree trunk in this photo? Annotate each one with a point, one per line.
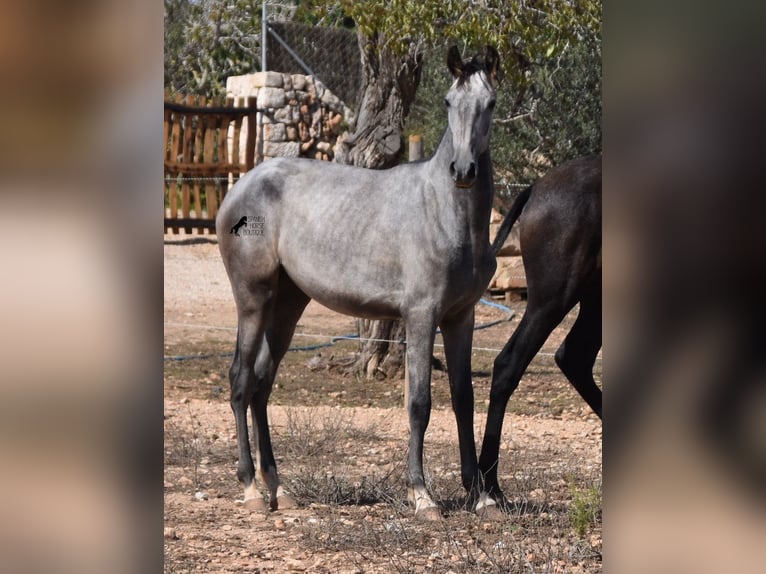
(390, 81)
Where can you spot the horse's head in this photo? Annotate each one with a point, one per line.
(470, 102)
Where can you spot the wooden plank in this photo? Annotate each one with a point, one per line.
(166, 150)
(165, 155)
(196, 151)
(252, 132)
(223, 149)
(191, 222)
(235, 141)
(202, 169)
(226, 110)
(188, 139)
(199, 133)
(175, 152)
(211, 188)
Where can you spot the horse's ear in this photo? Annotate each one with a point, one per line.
(492, 65)
(455, 62)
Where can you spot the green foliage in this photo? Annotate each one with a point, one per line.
(207, 41)
(585, 507)
(556, 118)
(549, 106)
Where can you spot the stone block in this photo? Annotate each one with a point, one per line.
(284, 115)
(299, 81)
(331, 100)
(271, 97)
(267, 80)
(275, 132)
(282, 149)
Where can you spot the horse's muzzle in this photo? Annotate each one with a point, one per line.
(463, 178)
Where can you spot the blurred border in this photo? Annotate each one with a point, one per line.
(81, 393)
(81, 295)
(685, 438)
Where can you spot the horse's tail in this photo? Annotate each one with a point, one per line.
(510, 218)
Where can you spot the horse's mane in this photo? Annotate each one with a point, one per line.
(471, 67)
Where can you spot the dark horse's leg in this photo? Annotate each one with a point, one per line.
(537, 323)
(577, 354)
(458, 337)
(288, 308)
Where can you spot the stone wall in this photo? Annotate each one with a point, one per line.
(298, 116)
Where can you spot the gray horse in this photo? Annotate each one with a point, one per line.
(410, 242)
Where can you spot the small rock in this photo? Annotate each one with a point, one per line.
(170, 533)
(296, 565)
(200, 495)
(279, 524)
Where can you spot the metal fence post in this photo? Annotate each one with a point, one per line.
(264, 26)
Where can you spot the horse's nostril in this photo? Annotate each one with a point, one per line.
(452, 170)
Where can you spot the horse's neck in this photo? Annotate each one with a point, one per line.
(479, 198)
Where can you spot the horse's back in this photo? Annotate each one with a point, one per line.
(560, 228)
(570, 192)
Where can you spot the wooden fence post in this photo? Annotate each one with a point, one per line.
(416, 147)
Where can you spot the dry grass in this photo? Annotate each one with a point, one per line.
(366, 518)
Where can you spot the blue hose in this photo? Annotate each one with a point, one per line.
(349, 337)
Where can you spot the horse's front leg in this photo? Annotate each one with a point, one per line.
(458, 338)
(420, 344)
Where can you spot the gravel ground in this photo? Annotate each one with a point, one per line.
(341, 442)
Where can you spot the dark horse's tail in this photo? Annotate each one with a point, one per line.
(510, 218)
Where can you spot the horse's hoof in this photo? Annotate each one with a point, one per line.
(286, 502)
(256, 505)
(428, 514)
(490, 513)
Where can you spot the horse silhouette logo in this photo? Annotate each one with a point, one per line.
(239, 225)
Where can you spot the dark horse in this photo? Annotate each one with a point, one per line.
(560, 238)
(411, 242)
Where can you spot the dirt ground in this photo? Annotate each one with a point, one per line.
(341, 442)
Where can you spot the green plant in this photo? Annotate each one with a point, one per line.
(585, 507)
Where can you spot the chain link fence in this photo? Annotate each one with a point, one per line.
(332, 54)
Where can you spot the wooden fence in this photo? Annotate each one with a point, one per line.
(202, 158)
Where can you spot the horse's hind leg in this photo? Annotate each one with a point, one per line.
(289, 306)
(577, 354)
(252, 312)
(533, 330)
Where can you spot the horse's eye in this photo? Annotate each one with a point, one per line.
(492, 105)
(446, 102)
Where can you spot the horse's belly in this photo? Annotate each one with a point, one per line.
(350, 295)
